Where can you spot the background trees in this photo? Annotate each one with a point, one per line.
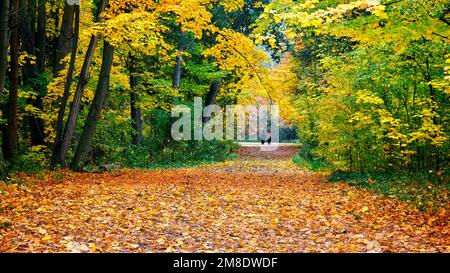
(69, 100)
(364, 81)
(372, 92)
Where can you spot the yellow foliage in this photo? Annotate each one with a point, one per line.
(232, 5)
(276, 85)
(236, 52)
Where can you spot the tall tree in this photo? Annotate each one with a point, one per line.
(4, 29)
(63, 141)
(69, 78)
(52, 45)
(28, 41)
(30, 73)
(178, 65)
(136, 119)
(214, 89)
(40, 36)
(211, 96)
(10, 137)
(65, 37)
(4, 18)
(95, 110)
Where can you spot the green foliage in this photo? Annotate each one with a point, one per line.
(372, 93)
(179, 154)
(205, 72)
(112, 144)
(318, 165)
(33, 160)
(425, 191)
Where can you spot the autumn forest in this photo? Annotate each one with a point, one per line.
(88, 161)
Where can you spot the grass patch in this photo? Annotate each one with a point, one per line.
(194, 163)
(168, 164)
(317, 165)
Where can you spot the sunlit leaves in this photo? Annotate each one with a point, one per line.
(236, 52)
(137, 31)
(232, 5)
(275, 85)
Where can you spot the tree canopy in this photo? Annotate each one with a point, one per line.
(365, 83)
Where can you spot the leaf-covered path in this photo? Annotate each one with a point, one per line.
(261, 202)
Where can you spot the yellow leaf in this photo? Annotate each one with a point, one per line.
(42, 231)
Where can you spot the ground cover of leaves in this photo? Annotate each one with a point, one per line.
(260, 202)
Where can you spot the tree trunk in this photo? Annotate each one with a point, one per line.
(62, 143)
(10, 137)
(28, 41)
(4, 10)
(65, 37)
(40, 36)
(4, 17)
(178, 65)
(213, 92)
(101, 94)
(66, 43)
(68, 84)
(136, 119)
(211, 96)
(29, 73)
(177, 73)
(32, 7)
(176, 80)
(53, 44)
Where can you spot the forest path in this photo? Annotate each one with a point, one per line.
(260, 202)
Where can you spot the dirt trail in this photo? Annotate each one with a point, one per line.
(260, 202)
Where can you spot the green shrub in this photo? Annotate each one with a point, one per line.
(112, 143)
(311, 163)
(33, 160)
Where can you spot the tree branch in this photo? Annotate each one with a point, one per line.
(254, 69)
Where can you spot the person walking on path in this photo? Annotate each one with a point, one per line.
(266, 137)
